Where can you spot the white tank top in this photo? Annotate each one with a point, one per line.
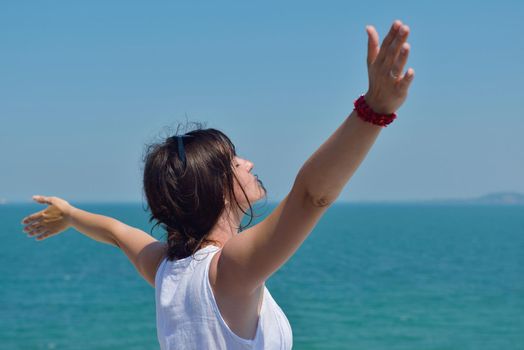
(188, 317)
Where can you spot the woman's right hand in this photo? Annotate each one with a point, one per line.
(50, 221)
(388, 87)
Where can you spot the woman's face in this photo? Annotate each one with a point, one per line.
(252, 186)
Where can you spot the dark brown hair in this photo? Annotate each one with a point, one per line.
(188, 201)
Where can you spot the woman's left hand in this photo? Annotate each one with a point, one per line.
(50, 221)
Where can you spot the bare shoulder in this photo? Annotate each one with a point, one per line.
(150, 258)
(143, 250)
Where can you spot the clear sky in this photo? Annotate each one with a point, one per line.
(85, 84)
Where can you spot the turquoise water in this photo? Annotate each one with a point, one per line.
(370, 276)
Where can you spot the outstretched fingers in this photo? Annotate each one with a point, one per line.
(398, 67)
(394, 49)
(34, 230)
(402, 58)
(388, 40)
(373, 41)
(394, 53)
(407, 79)
(41, 231)
(43, 199)
(44, 235)
(33, 217)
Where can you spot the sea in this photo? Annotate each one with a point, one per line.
(370, 276)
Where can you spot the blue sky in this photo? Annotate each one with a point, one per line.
(85, 84)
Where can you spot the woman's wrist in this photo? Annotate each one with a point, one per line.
(70, 215)
(375, 105)
(368, 113)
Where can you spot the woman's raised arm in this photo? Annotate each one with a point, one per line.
(249, 259)
(328, 170)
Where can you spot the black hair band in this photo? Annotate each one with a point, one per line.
(181, 151)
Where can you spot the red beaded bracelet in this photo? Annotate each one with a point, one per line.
(367, 114)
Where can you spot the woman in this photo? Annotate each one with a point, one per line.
(210, 280)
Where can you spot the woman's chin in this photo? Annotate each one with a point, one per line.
(262, 195)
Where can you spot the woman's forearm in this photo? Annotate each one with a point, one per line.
(330, 167)
(98, 227)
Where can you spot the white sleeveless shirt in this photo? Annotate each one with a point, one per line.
(188, 317)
